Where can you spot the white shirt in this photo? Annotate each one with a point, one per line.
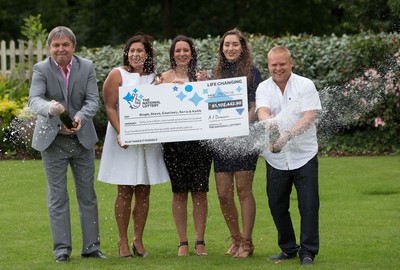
(300, 95)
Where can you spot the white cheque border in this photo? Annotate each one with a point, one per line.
(183, 112)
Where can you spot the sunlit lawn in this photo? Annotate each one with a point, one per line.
(359, 222)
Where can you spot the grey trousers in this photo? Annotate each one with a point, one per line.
(63, 151)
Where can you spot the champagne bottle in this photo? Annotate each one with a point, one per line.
(67, 120)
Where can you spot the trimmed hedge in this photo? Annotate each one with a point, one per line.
(357, 77)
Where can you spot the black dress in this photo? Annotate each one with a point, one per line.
(239, 153)
(188, 164)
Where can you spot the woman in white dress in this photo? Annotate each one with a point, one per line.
(135, 167)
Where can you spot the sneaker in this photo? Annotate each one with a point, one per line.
(307, 261)
(282, 256)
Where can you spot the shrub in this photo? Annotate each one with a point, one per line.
(8, 109)
(370, 122)
(357, 78)
(33, 29)
(332, 62)
(15, 123)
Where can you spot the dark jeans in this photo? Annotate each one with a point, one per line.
(279, 187)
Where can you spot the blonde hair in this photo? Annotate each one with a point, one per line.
(280, 49)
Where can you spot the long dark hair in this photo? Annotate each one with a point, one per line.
(241, 67)
(148, 66)
(193, 61)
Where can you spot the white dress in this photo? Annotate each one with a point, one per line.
(137, 164)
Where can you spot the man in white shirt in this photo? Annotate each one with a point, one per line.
(291, 102)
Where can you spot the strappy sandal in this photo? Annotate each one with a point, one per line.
(195, 248)
(185, 243)
(235, 244)
(245, 250)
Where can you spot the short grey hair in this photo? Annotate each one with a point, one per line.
(60, 32)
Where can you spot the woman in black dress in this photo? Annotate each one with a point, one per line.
(236, 158)
(189, 162)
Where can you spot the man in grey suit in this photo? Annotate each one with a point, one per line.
(65, 83)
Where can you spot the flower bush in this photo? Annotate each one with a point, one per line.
(8, 109)
(372, 103)
(13, 97)
(20, 132)
(16, 123)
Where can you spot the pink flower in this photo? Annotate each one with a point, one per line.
(397, 56)
(390, 86)
(371, 73)
(379, 122)
(363, 101)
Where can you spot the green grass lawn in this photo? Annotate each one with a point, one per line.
(359, 222)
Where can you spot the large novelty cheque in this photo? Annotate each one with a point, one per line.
(172, 112)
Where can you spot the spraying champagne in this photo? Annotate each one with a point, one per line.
(273, 136)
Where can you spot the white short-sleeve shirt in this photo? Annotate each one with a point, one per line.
(300, 95)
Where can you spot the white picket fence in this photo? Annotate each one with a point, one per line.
(17, 62)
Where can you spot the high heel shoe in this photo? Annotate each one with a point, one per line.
(136, 252)
(195, 248)
(185, 243)
(235, 244)
(125, 256)
(245, 250)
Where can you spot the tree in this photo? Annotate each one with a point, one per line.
(106, 22)
(33, 29)
(372, 15)
(166, 18)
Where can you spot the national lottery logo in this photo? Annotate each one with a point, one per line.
(133, 99)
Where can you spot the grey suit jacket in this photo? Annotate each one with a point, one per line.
(83, 100)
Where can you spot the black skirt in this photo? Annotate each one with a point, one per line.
(236, 153)
(188, 164)
(234, 162)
